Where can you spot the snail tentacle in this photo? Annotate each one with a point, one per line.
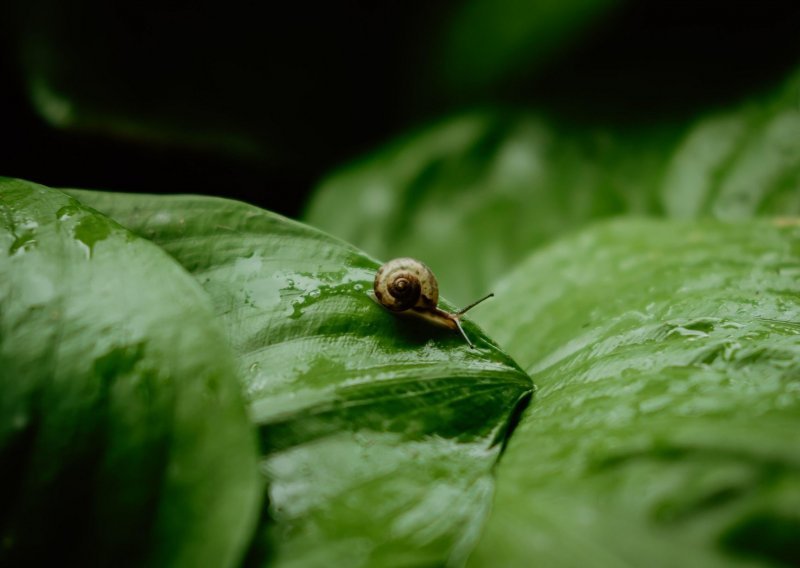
(473, 304)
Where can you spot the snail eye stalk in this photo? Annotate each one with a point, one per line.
(473, 304)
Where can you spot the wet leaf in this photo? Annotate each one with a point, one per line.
(665, 427)
(123, 436)
(378, 433)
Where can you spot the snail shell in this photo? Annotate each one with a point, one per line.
(407, 286)
(405, 283)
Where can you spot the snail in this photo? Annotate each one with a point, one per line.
(406, 286)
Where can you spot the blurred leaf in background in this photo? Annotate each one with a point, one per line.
(487, 43)
(476, 193)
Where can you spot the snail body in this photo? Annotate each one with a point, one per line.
(407, 286)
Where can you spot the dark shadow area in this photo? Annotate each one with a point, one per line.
(671, 60)
(310, 87)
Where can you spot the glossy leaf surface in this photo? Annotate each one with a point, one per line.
(378, 433)
(665, 430)
(123, 436)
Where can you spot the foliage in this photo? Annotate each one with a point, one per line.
(478, 192)
(190, 380)
(122, 433)
(663, 431)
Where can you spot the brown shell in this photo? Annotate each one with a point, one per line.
(405, 283)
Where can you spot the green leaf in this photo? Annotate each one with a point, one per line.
(123, 437)
(378, 434)
(666, 427)
(477, 193)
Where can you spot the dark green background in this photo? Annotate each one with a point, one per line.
(259, 101)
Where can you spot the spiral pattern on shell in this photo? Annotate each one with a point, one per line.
(405, 283)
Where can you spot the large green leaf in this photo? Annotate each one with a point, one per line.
(379, 434)
(666, 427)
(123, 437)
(475, 194)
